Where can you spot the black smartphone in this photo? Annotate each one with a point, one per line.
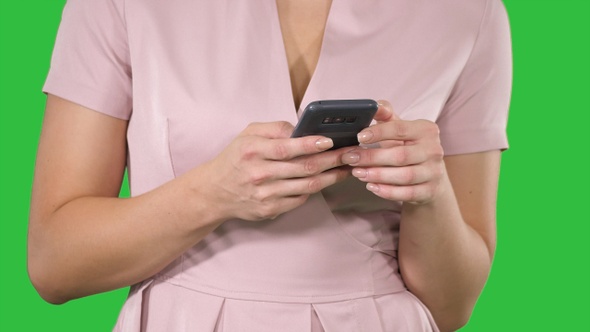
(340, 120)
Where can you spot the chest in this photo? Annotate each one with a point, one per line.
(302, 24)
(204, 70)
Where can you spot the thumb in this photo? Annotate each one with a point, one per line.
(385, 112)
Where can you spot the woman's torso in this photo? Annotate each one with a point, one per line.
(203, 70)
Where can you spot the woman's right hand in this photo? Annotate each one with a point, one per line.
(83, 239)
(263, 173)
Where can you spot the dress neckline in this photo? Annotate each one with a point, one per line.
(319, 68)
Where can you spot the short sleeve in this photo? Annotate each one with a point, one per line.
(90, 64)
(474, 117)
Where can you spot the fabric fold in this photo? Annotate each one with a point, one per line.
(397, 312)
(357, 315)
(157, 305)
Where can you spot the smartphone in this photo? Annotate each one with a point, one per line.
(340, 120)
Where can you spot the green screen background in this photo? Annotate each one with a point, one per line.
(541, 275)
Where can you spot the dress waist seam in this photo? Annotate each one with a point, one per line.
(282, 298)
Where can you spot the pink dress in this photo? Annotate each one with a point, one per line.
(189, 75)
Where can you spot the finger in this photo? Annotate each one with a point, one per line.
(392, 143)
(398, 130)
(311, 185)
(408, 175)
(385, 112)
(290, 148)
(307, 166)
(302, 186)
(395, 156)
(279, 129)
(413, 194)
(304, 166)
(282, 148)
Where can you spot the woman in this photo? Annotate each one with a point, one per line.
(232, 225)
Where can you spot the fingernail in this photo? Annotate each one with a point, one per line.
(372, 187)
(359, 172)
(324, 143)
(365, 136)
(350, 158)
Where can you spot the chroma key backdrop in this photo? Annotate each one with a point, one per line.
(540, 279)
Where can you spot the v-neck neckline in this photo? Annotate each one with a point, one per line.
(318, 70)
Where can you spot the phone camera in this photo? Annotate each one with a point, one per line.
(327, 120)
(339, 119)
(350, 119)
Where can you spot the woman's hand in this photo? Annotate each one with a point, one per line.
(83, 239)
(264, 173)
(448, 230)
(408, 165)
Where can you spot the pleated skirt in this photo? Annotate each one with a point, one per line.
(157, 305)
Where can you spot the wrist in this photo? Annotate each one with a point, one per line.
(442, 197)
(196, 199)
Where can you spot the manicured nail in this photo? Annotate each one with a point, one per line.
(365, 136)
(350, 158)
(324, 143)
(372, 187)
(359, 172)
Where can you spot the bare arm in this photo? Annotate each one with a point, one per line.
(447, 233)
(83, 239)
(446, 246)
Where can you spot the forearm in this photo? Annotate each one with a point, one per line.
(443, 260)
(447, 231)
(84, 240)
(95, 244)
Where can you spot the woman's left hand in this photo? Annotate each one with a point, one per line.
(408, 163)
